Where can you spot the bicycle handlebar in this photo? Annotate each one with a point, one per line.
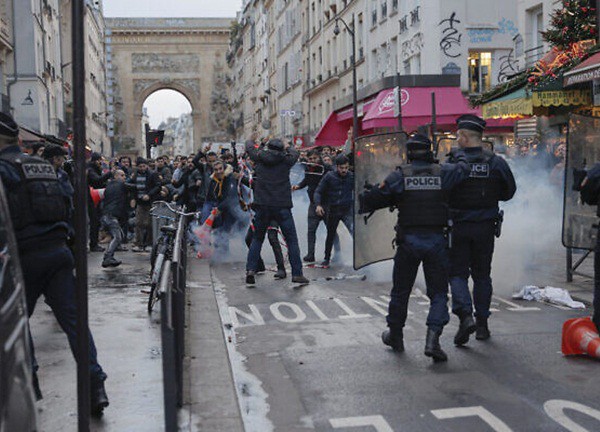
(172, 208)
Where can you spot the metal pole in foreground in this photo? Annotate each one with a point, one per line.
(434, 124)
(81, 196)
(399, 89)
(354, 89)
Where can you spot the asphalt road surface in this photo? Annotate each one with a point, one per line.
(312, 359)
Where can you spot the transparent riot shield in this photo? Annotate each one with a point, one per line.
(583, 151)
(445, 145)
(375, 156)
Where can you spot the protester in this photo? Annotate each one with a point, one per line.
(273, 201)
(115, 206)
(336, 192)
(147, 185)
(97, 180)
(314, 170)
(163, 170)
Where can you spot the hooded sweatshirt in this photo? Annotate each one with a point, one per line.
(272, 175)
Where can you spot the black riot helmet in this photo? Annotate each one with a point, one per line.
(418, 147)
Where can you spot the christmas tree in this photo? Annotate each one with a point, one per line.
(574, 22)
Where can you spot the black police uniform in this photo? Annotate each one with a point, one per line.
(419, 191)
(475, 212)
(38, 211)
(590, 194)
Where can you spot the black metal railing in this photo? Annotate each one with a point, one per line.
(172, 315)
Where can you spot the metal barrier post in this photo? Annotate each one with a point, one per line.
(168, 351)
(178, 306)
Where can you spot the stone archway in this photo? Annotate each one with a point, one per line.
(150, 54)
(182, 87)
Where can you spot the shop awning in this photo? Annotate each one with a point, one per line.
(588, 70)
(333, 132)
(416, 108)
(521, 103)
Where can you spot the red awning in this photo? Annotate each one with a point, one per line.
(586, 71)
(416, 108)
(333, 132)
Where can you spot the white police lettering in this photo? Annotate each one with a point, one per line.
(423, 183)
(480, 170)
(39, 171)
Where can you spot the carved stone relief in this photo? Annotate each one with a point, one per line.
(160, 63)
(140, 85)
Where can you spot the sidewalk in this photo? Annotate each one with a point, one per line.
(210, 399)
(129, 350)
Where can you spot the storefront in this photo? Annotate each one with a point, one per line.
(378, 111)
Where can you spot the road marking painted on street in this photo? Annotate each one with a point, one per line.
(556, 411)
(350, 313)
(515, 307)
(377, 421)
(379, 306)
(318, 312)
(475, 411)
(255, 317)
(279, 316)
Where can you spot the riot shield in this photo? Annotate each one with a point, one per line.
(375, 156)
(583, 151)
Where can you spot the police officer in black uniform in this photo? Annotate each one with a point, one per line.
(476, 216)
(588, 185)
(419, 190)
(39, 213)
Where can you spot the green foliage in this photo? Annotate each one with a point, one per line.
(574, 22)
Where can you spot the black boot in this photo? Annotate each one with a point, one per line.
(394, 339)
(280, 274)
(432, 346)
(482, 332)
(467, 327)
(99, 399)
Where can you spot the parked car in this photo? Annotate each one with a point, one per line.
(17, 399)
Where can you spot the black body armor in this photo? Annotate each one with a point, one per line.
(37, 199)
(423, 202)
(480, 190)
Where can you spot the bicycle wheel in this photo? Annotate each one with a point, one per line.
(153, 297)
(155, 281)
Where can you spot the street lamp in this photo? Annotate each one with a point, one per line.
(336, 31)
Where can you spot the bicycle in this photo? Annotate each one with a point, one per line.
(163, 249)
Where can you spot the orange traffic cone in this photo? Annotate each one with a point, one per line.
(97, 195)
(580, 336)
(203, 235)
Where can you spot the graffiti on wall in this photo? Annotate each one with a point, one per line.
(483, 35)
(451, 36)
(508, 66)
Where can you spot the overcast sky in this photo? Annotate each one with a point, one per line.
(171, 8)
(167, 103)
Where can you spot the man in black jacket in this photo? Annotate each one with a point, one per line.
(147, 185)
(273, 201)
(314, 171)
(337, 191)
(114, 213)
(96, 180)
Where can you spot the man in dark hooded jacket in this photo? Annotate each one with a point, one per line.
(96, 180)
(273, 201)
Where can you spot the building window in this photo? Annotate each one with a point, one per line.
(373, 13)
(406, 65)
(480, 71)
(383, 9)
(394, 5)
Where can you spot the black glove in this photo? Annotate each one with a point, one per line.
(457, 155)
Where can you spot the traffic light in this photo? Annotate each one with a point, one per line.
(154, 138)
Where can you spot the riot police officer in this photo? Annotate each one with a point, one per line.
(588, 185)
(39, 212)
(419, 191)
(476, 216)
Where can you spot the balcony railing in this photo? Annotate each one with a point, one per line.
(532, 55)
